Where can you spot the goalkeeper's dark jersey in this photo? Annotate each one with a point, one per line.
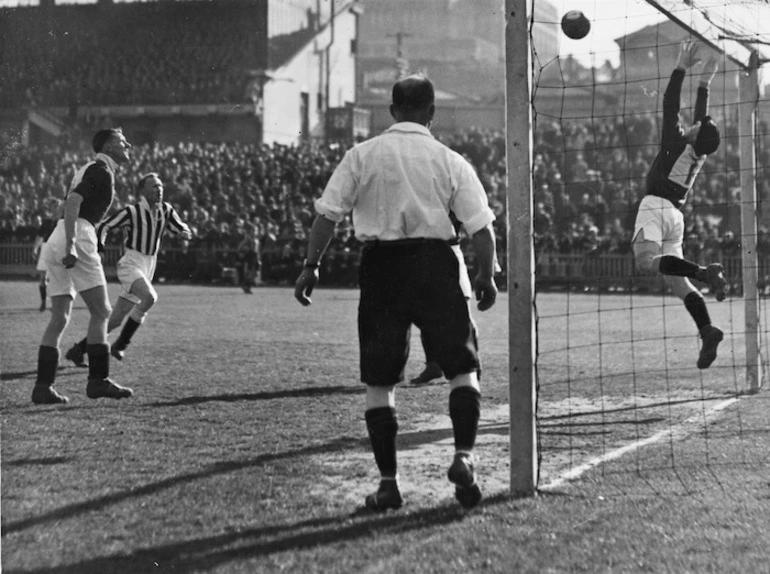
(676, 165)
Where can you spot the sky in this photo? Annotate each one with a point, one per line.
(610, 19)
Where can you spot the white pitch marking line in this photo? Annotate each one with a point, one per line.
(679, 431)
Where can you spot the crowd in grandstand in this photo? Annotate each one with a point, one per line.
(587, 182)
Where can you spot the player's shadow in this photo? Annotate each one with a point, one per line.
(341, 444)
(37, 461)
(24, 374)
(230, 548)
(306, 392)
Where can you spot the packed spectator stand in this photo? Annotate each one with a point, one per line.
(587, 183)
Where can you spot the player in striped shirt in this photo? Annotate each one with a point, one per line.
(145, 222)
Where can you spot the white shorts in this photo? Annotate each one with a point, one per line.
(662, 223)
(87, 272)
(132, 266)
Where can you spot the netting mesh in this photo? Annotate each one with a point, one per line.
(619, 391)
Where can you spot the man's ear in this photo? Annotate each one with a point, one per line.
(431, 111)
(393, 112)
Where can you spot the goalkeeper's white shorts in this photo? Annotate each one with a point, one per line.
(662, 223)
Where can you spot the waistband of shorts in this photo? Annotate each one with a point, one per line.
(410, 242)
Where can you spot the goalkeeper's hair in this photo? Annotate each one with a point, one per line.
(707, 140)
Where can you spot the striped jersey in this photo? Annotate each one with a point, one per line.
(144, 224)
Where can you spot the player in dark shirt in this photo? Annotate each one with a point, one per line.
(659, 227)
(74, 268)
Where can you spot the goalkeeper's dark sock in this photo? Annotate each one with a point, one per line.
(696, 305)
(465, 411)
(98, 361)
(82, 345)
(43, 293)
(672, 265)
(47, 363)
(382, 425)
(129, 328)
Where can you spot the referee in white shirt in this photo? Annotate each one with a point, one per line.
(145, 222)
(401, 187)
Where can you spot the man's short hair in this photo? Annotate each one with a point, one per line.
(103, 136)
(707, 140)
(145, 177)
(414, 92)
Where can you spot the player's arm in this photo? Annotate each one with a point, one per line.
(176, 225)
(486, 255)
(702, 99)
(320, 235)
(71, 212)
(115, 221)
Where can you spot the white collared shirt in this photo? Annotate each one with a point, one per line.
(403, 184)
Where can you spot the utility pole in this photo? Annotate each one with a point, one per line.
(402, 64)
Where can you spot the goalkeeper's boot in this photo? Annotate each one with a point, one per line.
(714, 276)
(431, 372)
(387, 496)
(461, 473)
(47, 395)
(106, 388)
(75, 354)
(711, 337)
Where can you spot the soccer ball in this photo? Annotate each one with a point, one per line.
(575, 25)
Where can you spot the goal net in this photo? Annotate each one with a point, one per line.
(608, 379)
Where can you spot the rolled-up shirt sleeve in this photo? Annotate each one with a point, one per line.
(339, 196)
(470, 203)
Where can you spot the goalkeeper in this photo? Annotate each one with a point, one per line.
(659, 228)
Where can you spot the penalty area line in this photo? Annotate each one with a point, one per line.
(679, 431)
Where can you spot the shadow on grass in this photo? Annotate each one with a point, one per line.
(410, 439)
(603, 412)
(35, 461)
(215, 552)
(28, 374)
(265, 396)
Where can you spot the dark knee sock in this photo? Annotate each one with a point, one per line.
(43, 292)
(696, 305)
(83, 345)
(126, 333)
(47, 363)
(383, 428)
(98, 361)
(465, 410)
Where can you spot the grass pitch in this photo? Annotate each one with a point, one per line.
(244, 448)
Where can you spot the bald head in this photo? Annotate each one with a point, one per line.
(413, 99)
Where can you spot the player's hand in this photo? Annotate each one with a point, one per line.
(303, 288)
(486, 292)
(710, 69)
(69, 260)
(186, 235)
(688, 54)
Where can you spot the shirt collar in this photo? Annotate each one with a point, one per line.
(143, 203)
(410, 127)
(111, 163)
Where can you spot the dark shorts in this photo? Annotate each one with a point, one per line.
(414, 283)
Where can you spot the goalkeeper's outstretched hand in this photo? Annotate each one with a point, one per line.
(303, 288)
